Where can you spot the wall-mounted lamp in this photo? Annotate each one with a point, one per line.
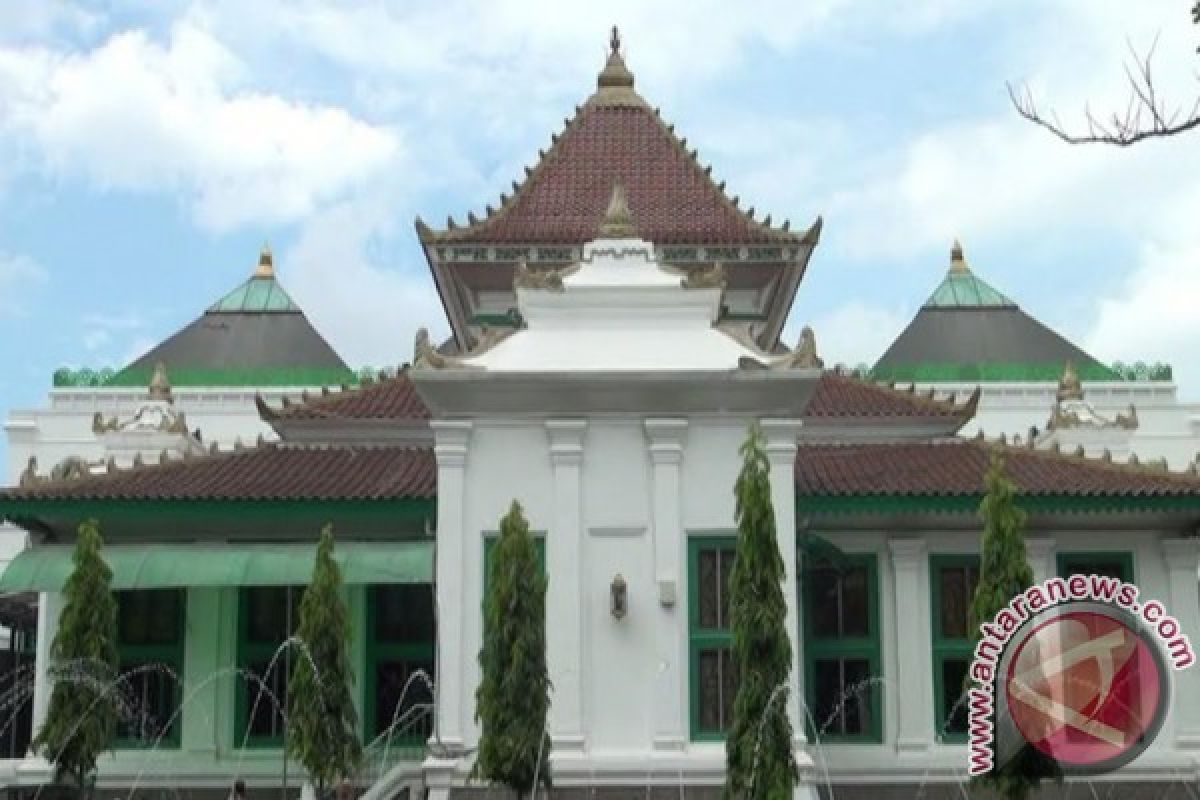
(618, 599)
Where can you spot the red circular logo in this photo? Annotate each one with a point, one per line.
(1086, 688)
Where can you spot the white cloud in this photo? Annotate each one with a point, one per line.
(137, 115)
(18, 275)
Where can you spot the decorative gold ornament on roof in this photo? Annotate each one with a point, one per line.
(160, 385)
(1069, 387)
(618, 219)
(712, 277)
(614, 84)
(526, 278)
(958, 264)
(426, 356)
(266, 263)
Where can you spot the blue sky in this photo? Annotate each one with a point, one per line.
(147, 149)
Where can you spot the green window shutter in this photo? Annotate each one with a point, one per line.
(842, 650)
(952, 582)
(712, 681)
(1111, 563)
(151, 630)
(263, 616)
(401, 639)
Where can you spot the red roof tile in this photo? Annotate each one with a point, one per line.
(390, 398)
(269, 472)
(616, 137)
(839, 396)
(957, 467)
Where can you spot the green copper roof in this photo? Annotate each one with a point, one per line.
(965, 290)
(258, 294)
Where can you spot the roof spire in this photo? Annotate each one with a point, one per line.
(614, 85)
(160, 385)
(266, 263)
(1069, 387)
(957, 262)
(618, 220)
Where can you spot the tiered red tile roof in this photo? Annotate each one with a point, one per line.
(267, 472)
(841, 396)
(957, 467)
(617, 138)
(388, 398)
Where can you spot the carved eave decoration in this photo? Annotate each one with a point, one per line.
(803, 356)
(426, 356)
(545, 279)
(713, 277)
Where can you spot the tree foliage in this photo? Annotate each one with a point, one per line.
(82, 717)
(759, 758)
(513, 697)
(322, 722)
(1004, 572)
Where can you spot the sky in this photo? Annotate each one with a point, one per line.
(148, 148)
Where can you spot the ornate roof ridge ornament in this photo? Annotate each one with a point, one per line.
(803, 356)
(160, 384)
(426, 356)
(618, 219)
(958, 263)
(614, 84)
(1071, 410)
(712, 277)
(1069, 386)
(266, 263)
(548, 279)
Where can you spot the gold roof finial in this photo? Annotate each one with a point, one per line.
(614, 84)
(618, 220)
(160, 385)
(1069, 387)
(957, 262)
(266, 263)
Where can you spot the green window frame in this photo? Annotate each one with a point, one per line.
(151, 630)
(1101, 562)
(953, 648)
(392, 656)
(710, 644)
(254, 653)
(843, 650)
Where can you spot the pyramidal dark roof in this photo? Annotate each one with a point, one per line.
(969, 331)
(254, 335)
(617, 138)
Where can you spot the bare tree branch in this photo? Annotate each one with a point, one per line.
(1146, 115)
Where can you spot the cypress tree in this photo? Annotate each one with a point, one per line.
(81, 720)
(1004, 572)
(759, 758)
(322, 722)
(514, 694)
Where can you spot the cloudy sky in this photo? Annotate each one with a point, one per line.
(149, 147)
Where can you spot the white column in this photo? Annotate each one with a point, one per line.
(1182, 557)
(49, 608)
(564, 618)
(665, 444)
(1042, 558)
(454, 713)
(914, 701)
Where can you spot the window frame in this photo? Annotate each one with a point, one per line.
(869, 647)
(702, 638)
(170, 655)
(378, 652)
(245, 653)
(945, 648)
(1124, 557)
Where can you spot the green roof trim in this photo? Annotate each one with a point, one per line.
(269, 376)
(976, 373)
(969, 504)
(963, 289)
(259, 294)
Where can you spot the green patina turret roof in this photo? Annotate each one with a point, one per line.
(260, 293)
(967, 331)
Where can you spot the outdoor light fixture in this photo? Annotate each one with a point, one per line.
(618, 602)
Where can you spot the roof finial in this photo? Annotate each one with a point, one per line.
(618, 221)
(1069, 387)
(614, 85)
(160, 385)
(266, 263)
(614, 41)
(957, 262)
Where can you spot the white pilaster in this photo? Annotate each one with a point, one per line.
(781, 437)
(451, 439)
(914, 703)
(1182, 557)
(665, 439)
(564, 619)
(1042, 559)
(49, 608)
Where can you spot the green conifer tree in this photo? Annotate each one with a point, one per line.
(1004, 572)
(759, 758)
(514, 694)
(322, 722)
(82, 717)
